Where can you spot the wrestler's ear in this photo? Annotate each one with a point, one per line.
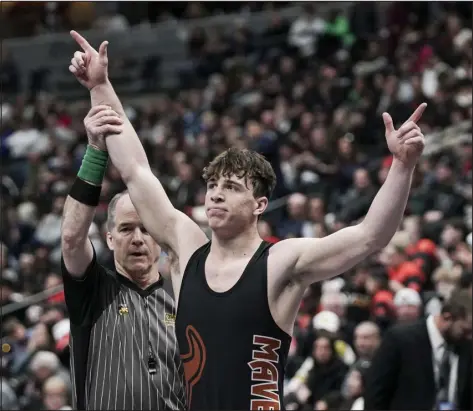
(261, 204)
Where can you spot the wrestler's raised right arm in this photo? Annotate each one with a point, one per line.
(172, 229)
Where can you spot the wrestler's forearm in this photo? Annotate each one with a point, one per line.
(105, 94)
(387, 209)
(125, 149)
(129, 157)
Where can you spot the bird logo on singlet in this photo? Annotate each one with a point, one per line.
(193, 361)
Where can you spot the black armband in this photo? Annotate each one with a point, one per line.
(85, 193)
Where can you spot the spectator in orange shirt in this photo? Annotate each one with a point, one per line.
(382, 308)
(424, 254)
(408, 274)
(401, 271)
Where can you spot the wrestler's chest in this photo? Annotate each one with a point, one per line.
(221, 276)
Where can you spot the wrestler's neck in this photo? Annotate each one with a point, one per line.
(238, 245)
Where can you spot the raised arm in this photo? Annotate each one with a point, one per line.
(172, 229)
(76, 248)
(316, 259)
(79, 208)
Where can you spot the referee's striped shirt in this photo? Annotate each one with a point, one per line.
(124, 352)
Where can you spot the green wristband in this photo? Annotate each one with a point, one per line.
(93, 166)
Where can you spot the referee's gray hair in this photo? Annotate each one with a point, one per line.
(112, 206)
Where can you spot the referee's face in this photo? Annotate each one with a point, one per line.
(134, 249)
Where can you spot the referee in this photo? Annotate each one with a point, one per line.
(124, 353)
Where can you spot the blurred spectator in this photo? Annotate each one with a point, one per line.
(305, 31)
(296, 211)
(440, 349)
(355, 386)
(55, 394)
(445, 281)
(43, 366)
(9, 401)
(402, 271)
(110, 20)
(45, 17)
(367, 340)
(355, 203)
(329, 322)
(332, 401)
(408, 305)
(320, 374)
(359, 300)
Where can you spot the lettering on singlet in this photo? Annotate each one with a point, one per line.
(264, 373)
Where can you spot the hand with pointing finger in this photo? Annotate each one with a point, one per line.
(406, 143)
(89, 65)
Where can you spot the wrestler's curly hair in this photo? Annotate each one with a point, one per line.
(245, 164)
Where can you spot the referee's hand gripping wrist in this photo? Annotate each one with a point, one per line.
(100, 122)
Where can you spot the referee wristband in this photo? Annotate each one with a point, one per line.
(85, 193)
(94, 165)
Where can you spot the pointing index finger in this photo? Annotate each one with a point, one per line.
(81, 41)
(416, 115)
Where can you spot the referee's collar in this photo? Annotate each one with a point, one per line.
(143, 292)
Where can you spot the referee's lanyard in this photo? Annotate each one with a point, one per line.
(152, 364)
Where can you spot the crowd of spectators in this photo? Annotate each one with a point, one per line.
(42, 17)
(312, 105)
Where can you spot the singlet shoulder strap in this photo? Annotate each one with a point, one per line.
(254, 265)
(195, 257)
(262, 249)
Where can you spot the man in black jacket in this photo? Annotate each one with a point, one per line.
(425, 365)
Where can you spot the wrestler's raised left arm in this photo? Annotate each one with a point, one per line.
(315, 259)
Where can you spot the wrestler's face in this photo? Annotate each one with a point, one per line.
(135, 251)
(231, 206)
